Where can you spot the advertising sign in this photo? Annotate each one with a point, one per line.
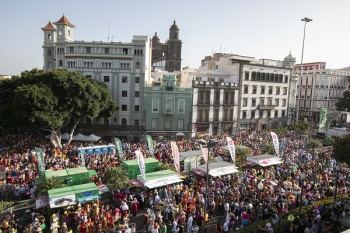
(324, 120)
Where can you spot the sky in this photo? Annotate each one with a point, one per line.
(269, 29)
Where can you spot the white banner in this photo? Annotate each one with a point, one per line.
(82, 155)
(141, 163)
(176, 156)
(205, 154)
(275, 142)
(231, 148)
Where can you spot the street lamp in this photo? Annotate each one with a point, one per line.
(337, 169)
(260, 188)
(210, 143)
(302, 178)
(306, 20)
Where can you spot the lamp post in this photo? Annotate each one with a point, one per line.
(337, 169)
(260, 188)
(209, 144)
(302, 178)
(306, 20)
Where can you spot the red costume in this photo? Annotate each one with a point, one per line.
(135, 205)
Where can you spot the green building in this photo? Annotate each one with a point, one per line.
(167, 110)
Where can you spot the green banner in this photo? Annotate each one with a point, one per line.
(150, 144)
(324, 120)
(41, 165)
(118, 145)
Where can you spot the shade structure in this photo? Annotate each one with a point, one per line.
(219, 168)
(264, 160)
(159, 178)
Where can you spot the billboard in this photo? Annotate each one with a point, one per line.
(324, 120)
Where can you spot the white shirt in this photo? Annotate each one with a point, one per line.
(225, 226)
(189, 221)
(174, 229)
(227, 206)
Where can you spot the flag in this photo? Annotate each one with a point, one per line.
(275, 142)
(141, 163)
(82, 155)
(205, 154)
(231, 148)
(176, 156)
(41, 165)
(118, 146)
(324, 120)
(150, 144)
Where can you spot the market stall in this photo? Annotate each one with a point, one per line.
(159, 178)
(132, 166)
(264, 160)
(217, 169)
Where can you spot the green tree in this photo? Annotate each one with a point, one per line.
(212, 159)
(51, 100)
(115, 178)
(53, 182)
(341, 148)
(328, 141)
(314, 144)
(343, 102)
(302, 126)
(242, 152)
(164, 166)
(269, 149)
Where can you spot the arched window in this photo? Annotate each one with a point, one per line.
(49, 65)
(49, 52)
(60, 32)
(124, 121)
(60, 63)
(49, 36)
(68, 32)
(137, 65)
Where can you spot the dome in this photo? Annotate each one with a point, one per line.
(155, 37)
(289, 58)
(174, 26)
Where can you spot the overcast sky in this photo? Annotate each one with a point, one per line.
(258, 28)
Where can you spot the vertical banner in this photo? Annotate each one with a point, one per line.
(118, 146)
(141, 163)
(275, 143)
(41, 165)
(176, 156)
(82, 155)
(205, 154)
(324, 120)
(231, 148)
(150, 144)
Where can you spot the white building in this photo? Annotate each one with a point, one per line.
(124, 67)
(318, 88)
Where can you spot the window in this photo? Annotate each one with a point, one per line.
(124, 121)
(124, 79)
(125, 51)
(252, 114)
(106, 50)
(284, 102)
(244, 114)
(221, 80)
(71, 49)
(245, 91)
(124, 107)
(284, 91)
(49, 52)
(253, 102)
(268, 114)
(137, 79)
(167, 124)
(262, 90)
(88, 49)
(137, 66)
(60, 63)
(211, 79)
(124, 94)
(286, 79)
(49, 36)
(245, 102)
(180, 124)
(181, 106)
(254, 90)
(106, 79)
(88, 76)
(278, 90)
(246, 75)
(155, 105)
(277, 102)
(270, 90)
(276, 113)
(137, 108)
(137, 94)
(136, 122)
(155, 124)
(168, 106)
(283, 113)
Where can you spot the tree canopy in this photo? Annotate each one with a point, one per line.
(341, 148)
(50, 100)
(343, 102)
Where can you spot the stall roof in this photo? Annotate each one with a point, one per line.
(159, 174)
(61, 192)
(58, 173)
(84, 187)
(92, 172)
(218, 169)
(134, 161)
(264, 160)
(191, 153)
(77, 170)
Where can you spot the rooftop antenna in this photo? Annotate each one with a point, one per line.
(109, 25)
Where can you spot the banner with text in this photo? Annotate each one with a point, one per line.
(118, 145)
(324, 120)
(275, 143)
(41, 165)
(141, 162)
(231, 148)
(82, 155)
(205, 154)
(150, 144)
(176, 156)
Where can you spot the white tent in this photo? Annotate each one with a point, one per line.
(84, 138)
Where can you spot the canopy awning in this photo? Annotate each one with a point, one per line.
(180, 134)
(199, 172)
(161, 184)
(270, 163)
(135, 183)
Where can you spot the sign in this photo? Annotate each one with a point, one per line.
(87, 196)
(82, 155)
(141, 163)
(150, 144)
(62, 201)
(324, 120)
(275, 143)
(176, 156)
(231, 148)
(205, 154)
(41, 202)
(119, 148)
(41, 165)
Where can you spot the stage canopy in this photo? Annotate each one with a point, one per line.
(264, 160)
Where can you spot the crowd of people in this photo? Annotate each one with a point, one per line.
(231, 200)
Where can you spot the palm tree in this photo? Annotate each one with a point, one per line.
(269, 149)
(242, 152)
(314, 144)
(212, 159)
(53, 182)
(164, 166)
(115, 178)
